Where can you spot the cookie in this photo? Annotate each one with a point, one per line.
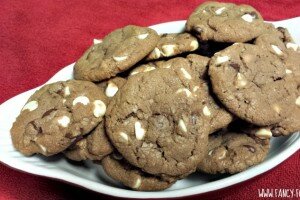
(95, 146)
(56, 115)
(213, 111)
(173, 44)
(119, 51)
(232, 152)
(120, 170)
(218, 117)
(252, 83)
(225, 22)
(155, 121)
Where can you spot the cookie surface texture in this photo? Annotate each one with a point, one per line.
(119, 51)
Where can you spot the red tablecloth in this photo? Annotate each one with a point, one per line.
(39, 37)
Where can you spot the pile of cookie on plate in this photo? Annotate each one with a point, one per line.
(153, 109)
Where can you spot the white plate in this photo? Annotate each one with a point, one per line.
(91, 176)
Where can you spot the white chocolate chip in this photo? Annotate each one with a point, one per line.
(276, 49)
(298, 101)
(97, 41)
(119, 58)
(204, 11)
(182, 126)
(210, 152)
(263, 133)
(134, 72)
(67, 91)
(194, 44)
(156, 52)
(64, 121)
(111, 89)
(168, 49)
(32, 105)
(222, 155)
(206, 111)
(64, 101)
(276, 108)
(292, 46)
(167, 66)
(99, 108)
(241, 80)
(124, 136)
(221, 59)
(43, 148)
(287, 71)
(185, 73)
(137, 183)
(143, 36)
(139, 131)
(81, 99)
(149, 68)
(196, 88)
(248, 18)
(187, 92)
(220, 10)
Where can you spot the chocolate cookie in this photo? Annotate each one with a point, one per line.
(56, 115)
(120, 170)
(225, 22)
(155, 121)
(217, 116)
(172, 45)
(252, 83)
(231, 152)
(92, 147)
(119, 50)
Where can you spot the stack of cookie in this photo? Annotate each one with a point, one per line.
(153, 109)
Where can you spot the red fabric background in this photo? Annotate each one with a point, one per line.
(39, 37)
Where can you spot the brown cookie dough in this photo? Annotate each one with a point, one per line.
(120, 170)
(93, 147)
(155, 121)
(225, 22)
(56, 115)
(173, 44)
(252, 84)
(230, 152)
(119, 51)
